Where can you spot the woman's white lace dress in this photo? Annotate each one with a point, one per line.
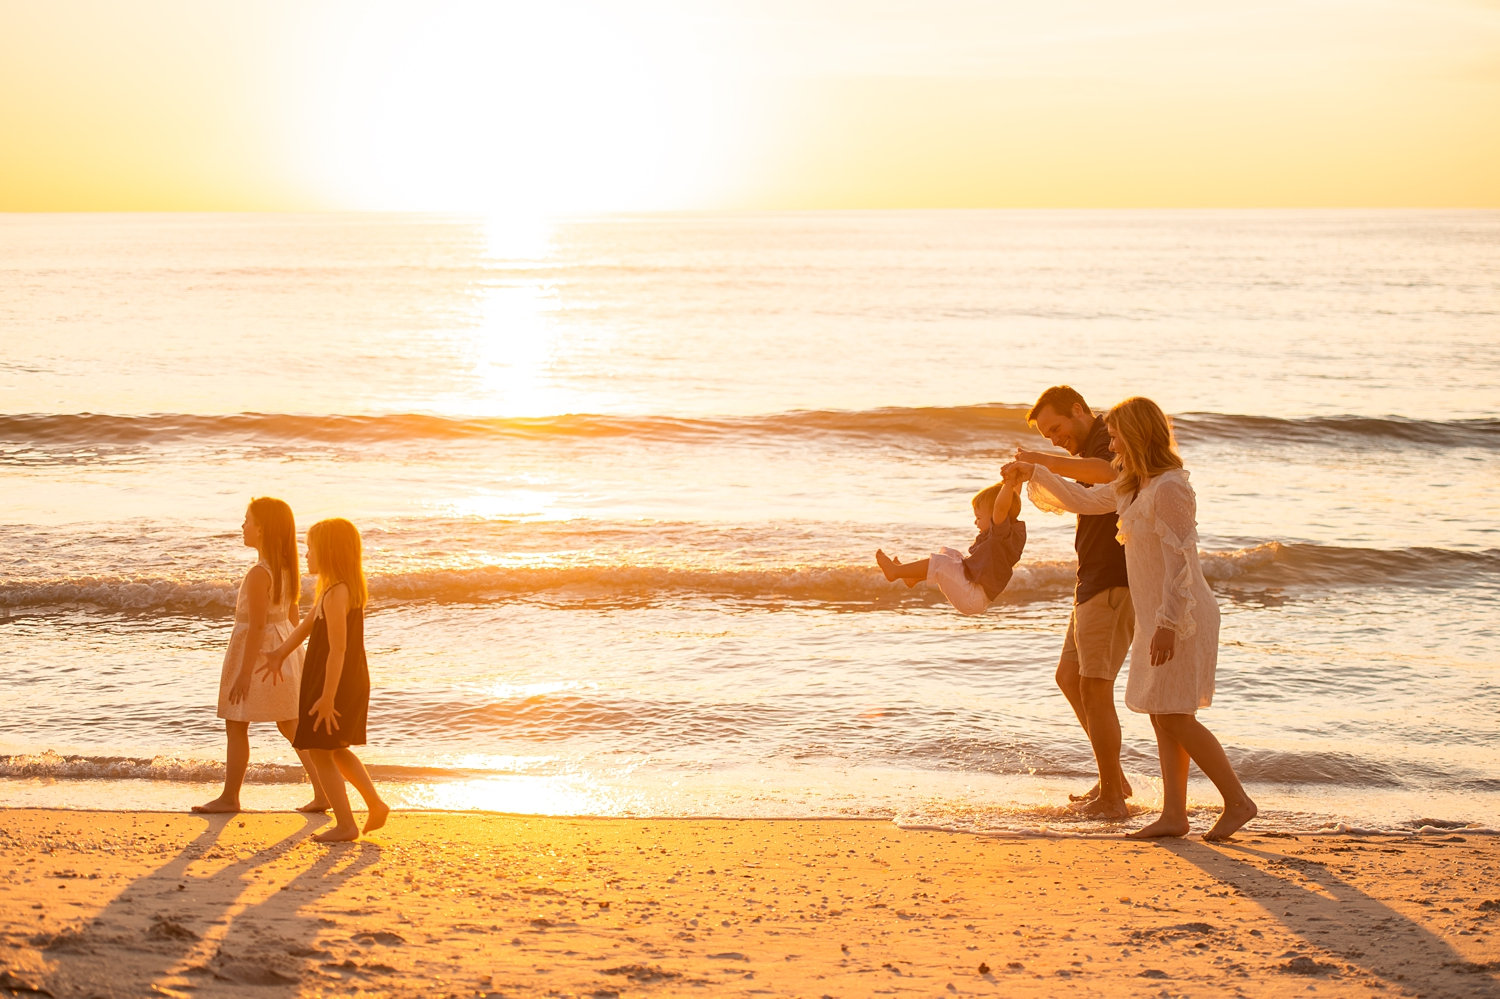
(264, 701)
(1160, 533)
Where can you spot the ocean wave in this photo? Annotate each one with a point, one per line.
(852, 587)
(49, 765)
(23, 435)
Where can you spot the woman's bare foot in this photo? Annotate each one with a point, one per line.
(316, 805)
(379, 812)
(218, 806)
(338, 834)
(887, 565)
(1235, 815)
(1160, 828)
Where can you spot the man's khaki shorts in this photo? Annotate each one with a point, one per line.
(1099, 633)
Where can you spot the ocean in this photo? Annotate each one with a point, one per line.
(621, 478)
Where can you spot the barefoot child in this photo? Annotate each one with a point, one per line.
(335, 691)
(265, 611)
(971, 582)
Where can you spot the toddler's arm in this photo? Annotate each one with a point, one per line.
(272, 666)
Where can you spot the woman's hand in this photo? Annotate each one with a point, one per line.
(272, 665)
(324, 713)
(241, 687)
(1163, 646)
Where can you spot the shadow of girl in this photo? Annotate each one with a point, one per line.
(1337, 918)
(277, 940)
(156, 931)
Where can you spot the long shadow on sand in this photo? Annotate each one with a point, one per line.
(1336, 917)
(157, 935)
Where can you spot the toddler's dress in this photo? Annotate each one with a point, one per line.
(351, 700)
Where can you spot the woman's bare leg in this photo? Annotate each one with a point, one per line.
(1207, 752)
(1173, 820)
(236, 762)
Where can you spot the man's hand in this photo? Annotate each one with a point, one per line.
(1163, 646)
(1033, 457)
(1016, 472)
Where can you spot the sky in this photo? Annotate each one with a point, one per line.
(596, 105)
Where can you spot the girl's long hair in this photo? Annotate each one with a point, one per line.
(278, 539)
(1147, 447)
(340, 557)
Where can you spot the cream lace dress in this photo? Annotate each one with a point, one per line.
(264, 701)
(1160, 533)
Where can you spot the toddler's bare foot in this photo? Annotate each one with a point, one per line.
(1235, 815)
(1160, 828)
(379, 812)
(316, 805)
(218, 806)
(887, 565)
(338, 834)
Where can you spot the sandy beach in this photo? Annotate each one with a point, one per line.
(115, 904)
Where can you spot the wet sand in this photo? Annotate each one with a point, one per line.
(116, 904)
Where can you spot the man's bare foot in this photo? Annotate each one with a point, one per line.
(1097, 808)
(316, 805)
(379, 812)
(218, 806)
(1235, 815)
(887, 565)
(338, 834)
(1160, 828)
(1093, 793)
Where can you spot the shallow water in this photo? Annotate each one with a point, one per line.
(620, 480)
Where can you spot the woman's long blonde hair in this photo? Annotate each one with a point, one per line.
(278, 546)
(340, 558)
(1147, 447)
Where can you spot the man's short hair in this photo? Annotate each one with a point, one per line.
(1061, 399)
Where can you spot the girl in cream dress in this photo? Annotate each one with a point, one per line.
(1176, 643)
(265, 613)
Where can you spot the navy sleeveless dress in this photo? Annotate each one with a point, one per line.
(352, 699)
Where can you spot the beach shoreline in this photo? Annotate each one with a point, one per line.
(482, 904)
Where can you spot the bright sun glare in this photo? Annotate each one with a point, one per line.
(508, 108)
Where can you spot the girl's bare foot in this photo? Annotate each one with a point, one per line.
(887, 565)
(1160, 828)
(218, 806)
(379, 812)
(338, 834)
(1235, 815)
(316, 805)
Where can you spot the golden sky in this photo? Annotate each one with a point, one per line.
(587, 105)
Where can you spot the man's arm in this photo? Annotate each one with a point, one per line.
(1095, 471)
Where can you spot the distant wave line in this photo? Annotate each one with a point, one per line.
(954, 426)
(1271, 564)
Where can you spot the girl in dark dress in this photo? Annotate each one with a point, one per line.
(335, 692)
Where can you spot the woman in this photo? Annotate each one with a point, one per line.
(1177, 620)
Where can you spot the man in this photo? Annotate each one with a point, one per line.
(1103, 620)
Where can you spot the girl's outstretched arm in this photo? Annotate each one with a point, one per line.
(257, 587)
(336, 614)
(272, 666)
